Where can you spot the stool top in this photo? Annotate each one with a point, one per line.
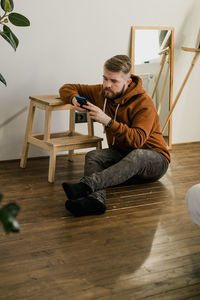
(51, 100)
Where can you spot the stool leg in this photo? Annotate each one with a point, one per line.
(28, 133)
(70, 153)
(90, 125)
(52, 165)
(99, 145)
(47, 124)
(71, 129)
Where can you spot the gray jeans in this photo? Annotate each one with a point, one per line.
(109, 167)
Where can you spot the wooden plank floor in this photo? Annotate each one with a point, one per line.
(144, 247)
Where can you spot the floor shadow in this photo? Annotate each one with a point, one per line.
(118, 243)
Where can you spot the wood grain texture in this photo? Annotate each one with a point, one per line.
(144, 247)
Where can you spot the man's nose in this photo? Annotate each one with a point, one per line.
(108, 84)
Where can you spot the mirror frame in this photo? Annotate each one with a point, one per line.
(133, 28)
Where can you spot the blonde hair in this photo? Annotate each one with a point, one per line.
(118, 63)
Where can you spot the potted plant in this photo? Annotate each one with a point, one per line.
(9, 211)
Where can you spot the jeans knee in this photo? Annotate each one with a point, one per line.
(145, 155)
(92, 155)
(138, 154)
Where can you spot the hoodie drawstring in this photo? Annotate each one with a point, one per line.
(104, 108)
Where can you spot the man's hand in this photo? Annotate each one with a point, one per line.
(97, 114)
(77, 105)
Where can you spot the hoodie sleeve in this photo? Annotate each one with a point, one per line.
(68, 91)
(135, 135)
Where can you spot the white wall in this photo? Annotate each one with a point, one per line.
(186, 121)
(68, 41)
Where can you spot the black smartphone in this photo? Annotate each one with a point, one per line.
(81, 100)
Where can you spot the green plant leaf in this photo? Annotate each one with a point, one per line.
(7, 5)
(2, 79)
(18, 20)
(9, 38)
(12, 36)
(7, 217)
(11, 209)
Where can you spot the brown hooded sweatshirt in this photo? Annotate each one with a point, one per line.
(136, 122)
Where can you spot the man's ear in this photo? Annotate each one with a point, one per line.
(129, 81)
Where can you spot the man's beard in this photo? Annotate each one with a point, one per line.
(113, 95)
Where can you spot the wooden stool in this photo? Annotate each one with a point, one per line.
(58, 141)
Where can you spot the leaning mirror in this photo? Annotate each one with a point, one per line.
(152, 56)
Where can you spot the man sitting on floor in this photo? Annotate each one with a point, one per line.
(137, 151)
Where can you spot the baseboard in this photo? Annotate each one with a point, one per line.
(186, 143)
(83, 153)
(40, 157)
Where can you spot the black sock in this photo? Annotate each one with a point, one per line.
(86, 206)
(76, 190)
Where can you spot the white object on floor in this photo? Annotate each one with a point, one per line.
(193, 203)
